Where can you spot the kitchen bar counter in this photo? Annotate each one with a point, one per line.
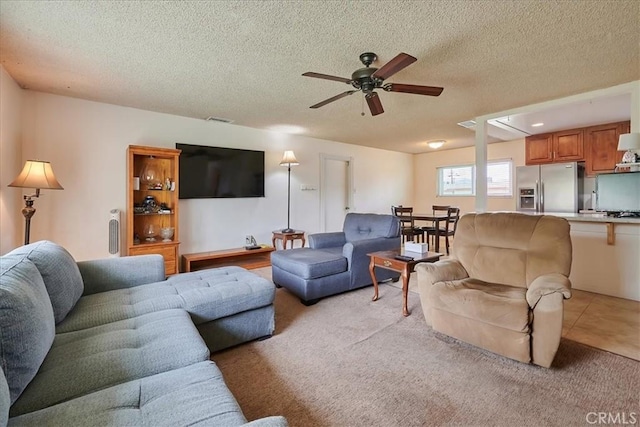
(606, 254)
(594, 217)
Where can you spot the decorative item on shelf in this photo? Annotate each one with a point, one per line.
(149, 176)
(166, 233)
(150, 232)
(164, 209)
(39, 175)
(136, 239)
(150, 205)
(167, 184)
(288, 160)
(629, 142)
(138, 208)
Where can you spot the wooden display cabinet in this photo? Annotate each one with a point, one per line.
(145, 199)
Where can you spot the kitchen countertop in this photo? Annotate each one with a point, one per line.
(590, 217)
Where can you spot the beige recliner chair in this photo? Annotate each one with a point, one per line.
(503, 286)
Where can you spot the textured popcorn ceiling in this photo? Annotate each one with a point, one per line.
(243, 60)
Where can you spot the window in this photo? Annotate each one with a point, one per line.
(460, 180)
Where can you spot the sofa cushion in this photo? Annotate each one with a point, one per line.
(359, 226)
(193, 395)
(207, 295)
(85, 361)
(5, 399)
(498, 305)
(309, 263)
(26, 322)
(60, 274)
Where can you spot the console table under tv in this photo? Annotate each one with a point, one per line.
(241, 257)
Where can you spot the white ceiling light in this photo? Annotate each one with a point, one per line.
(537, 125)
(435, 144)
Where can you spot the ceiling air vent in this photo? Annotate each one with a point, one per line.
(218, 119)
(469, 124)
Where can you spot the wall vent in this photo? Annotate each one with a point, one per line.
(114, 233)
(218, 119)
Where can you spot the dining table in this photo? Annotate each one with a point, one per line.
(434, 219)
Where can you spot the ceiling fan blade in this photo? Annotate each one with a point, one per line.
(418, 90)
(373, 100)
(334, 98)
(401, 61)
(327, 77)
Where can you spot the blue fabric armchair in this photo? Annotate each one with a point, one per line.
(337, 262)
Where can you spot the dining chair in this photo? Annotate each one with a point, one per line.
(450, 225)
(407, 224)
(430, 230)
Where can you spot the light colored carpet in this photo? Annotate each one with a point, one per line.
(348, 361)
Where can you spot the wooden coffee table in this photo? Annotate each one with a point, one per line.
(387, 260)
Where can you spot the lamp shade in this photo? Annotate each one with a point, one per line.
(289, 159)
(37, 174)
(629, 141)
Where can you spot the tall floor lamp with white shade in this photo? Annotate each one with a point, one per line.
(288, 160)
(39, 175)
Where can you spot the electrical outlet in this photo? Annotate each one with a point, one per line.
(247, 239)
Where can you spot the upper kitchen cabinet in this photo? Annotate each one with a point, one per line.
(538, 149)
(601, 146)
(568, 146)
(563, 146)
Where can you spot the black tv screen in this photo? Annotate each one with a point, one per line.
(216, 172)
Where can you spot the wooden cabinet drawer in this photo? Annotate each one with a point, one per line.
(168, 252)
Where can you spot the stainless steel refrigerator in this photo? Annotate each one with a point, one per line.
(555, 187)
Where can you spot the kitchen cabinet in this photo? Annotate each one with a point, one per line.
(568, 146)
(556, 147)
(152, 203)
(538, 149)
(601, 146)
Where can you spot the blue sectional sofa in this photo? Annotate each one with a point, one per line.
(111, 342)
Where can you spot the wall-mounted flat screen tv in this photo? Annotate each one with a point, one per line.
(216, 172)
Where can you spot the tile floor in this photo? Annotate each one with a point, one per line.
(604, 322)
(600, 321)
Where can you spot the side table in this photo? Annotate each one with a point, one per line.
(387, 260)
(285, 237)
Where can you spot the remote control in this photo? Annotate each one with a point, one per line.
(404, 258)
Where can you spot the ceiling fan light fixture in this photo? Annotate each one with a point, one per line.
(435, 144)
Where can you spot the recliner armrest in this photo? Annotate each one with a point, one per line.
(548, 284)
(101, 275)
(446, 269)
(327, 240)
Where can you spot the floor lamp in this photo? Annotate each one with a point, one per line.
(38, 175)
(288, 160)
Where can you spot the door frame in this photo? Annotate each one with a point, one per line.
(323, 191)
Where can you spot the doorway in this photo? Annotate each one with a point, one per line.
(336, 190)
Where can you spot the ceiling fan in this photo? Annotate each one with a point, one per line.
(369, 78)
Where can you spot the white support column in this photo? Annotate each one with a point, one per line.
(481, 165)
(635, 108)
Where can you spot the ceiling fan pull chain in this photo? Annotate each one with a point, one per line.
(362, 114)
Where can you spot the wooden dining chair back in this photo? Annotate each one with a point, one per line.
(453, 215)
(430, 230)
(407, 224)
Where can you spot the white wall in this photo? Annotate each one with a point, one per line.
(86, 144)
(426, 178)
(11, 220)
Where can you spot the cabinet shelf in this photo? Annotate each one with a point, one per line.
(153, 213)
